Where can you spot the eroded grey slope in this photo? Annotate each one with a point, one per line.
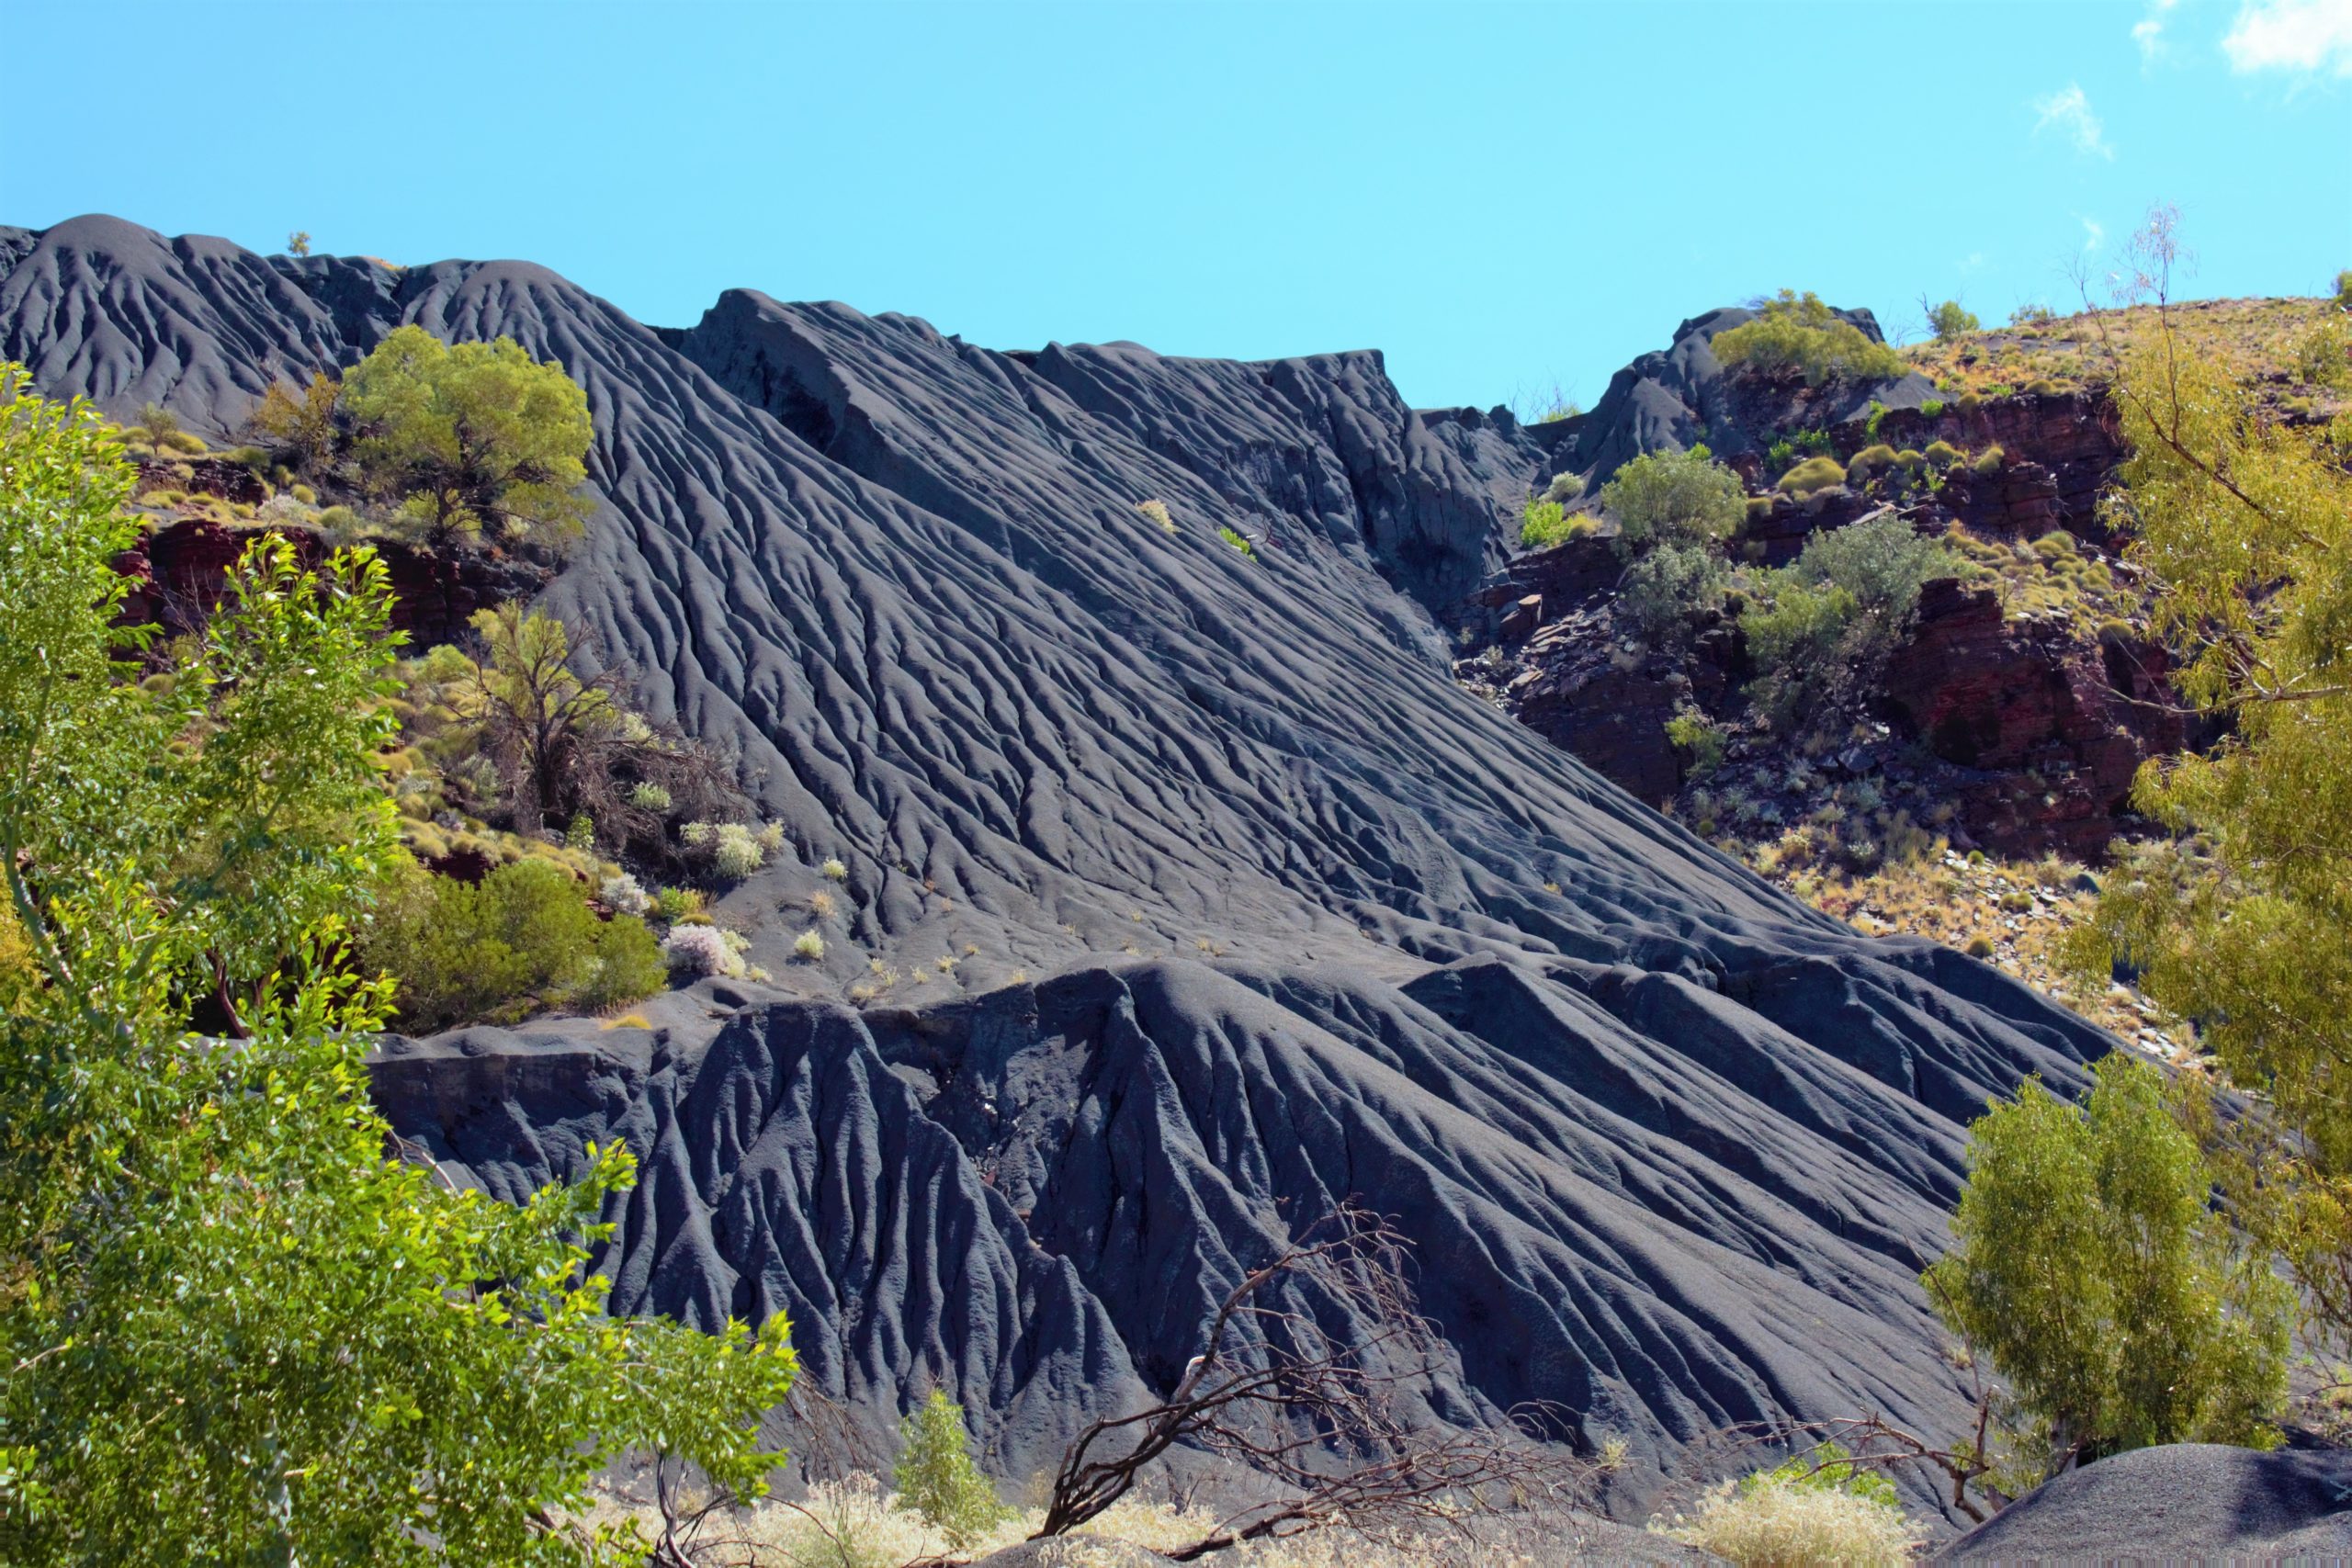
(1671, 1145)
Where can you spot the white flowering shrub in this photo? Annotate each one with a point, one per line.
(623, 895)
(834, 870)
(735, 854)
(771, 838)
(809, 945)
(699, 951)
(648, 797)
(697, 835)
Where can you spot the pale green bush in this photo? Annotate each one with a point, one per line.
(1797, 335)
(936, 1478)
(1665, 587)
(1677, 497)
(1546, 525)
(1812, 474)
(1775, 1521)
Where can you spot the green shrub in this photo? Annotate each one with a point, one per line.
(675, 904)
(1546, 525)
(1665, 586)
(1949, 320)
(1988, 461)
(1968, 402)
(1882, 562)
(2089, 1266)
(1699, 739)
(1812, 474)
(1796, 623)
(2042, 385)
(1758, 508)
(183, 442)
(1980, 946)
(581, 833)
(1796, 335)
(1933, 408)
(628, 965)
(937, 1479)
(1873, 418)
(1677, 497)
(833, 871)
(1944, 454)
(1844, 605)
(1782, 454)
(1564, 488)
(1237, 541)
(522, 938)
(651, 797)
(2032, 316)
(1869, 461)
(304, 494)
(2344, 288)
(1767, 1522)
(809, 945)
(2323, 353)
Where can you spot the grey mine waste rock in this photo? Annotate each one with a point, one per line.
(1227, 903)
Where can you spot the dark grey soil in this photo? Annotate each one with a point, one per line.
(2197, 1502)
(1299, 920)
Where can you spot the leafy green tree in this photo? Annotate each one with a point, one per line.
(545, 727)
(297, 243)
(161, 424)
(1950, 320)
(470, 436)
(937, 1479)
(2088, 1263)
(1795, 334)
(2239, 922)
(300, 424)
(1674, 498)
(234, 1330)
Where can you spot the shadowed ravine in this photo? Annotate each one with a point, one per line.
(1308, 921)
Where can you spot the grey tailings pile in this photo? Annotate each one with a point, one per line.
(1306, 920)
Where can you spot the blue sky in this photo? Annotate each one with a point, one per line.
(1501, 197)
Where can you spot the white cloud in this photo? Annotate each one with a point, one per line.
(2148, 32)
(2094, 235)
(2069, 111)
(2304, 38)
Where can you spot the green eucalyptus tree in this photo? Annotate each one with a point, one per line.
(233, 1330)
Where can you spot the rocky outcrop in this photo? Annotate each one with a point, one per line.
(1680, 396)
(2052, 728)
(2061, 450)
(1668, 1143)
(177, 572)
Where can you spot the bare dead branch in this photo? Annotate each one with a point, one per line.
(1312, 1408)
